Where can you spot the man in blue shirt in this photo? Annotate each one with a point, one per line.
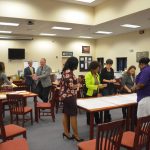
(143, 88)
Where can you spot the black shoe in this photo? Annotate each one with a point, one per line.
(68, 137)
(78, 140)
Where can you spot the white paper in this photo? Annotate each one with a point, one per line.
(110, 101)
(93, 104)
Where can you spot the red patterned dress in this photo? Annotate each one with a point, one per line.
(68, 92)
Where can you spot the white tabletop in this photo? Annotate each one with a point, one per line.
(3, 95)
(110, 101)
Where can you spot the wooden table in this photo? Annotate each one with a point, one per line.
(99, 104)
(25, 94)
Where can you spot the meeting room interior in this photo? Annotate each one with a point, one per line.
(74, 74)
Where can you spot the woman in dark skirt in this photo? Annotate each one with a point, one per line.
(68, 94)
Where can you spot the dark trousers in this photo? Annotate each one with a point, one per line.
(31, 88)
(107, 91)
(96, 114)
(124, 112)
(43, 92)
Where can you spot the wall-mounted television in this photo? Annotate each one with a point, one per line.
(16, 53)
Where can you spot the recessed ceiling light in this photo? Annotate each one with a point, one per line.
(8, 24)
(86, 37)
(5, 31)
(61, 28)
(86, 1)
(130, 26)
(47, 34)
(104, 32)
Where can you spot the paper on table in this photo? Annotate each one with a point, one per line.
(14, 85)
(120, 100)
(93, 104)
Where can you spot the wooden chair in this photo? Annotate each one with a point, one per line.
(5, 102)
(10, 131)
(20, 85)
(140, 137)
(45, 109)
(17, 107)
(16, 144)
(108, 137)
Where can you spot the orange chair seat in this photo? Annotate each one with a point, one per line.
(17, 144)
(12, 130)
(90, 145)
(128, 139)
(19, 110)
(43, 105)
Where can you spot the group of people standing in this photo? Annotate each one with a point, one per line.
(95, 82)
(38, 81)
(104, 82)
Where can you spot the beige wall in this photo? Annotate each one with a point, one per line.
(43, 47)
(111, 47)
(47, 10)
(112, 9)
(120, 46)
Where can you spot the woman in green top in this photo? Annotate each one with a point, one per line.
(92, 81)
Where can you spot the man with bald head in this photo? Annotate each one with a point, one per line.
(43, 81)
(28, 72)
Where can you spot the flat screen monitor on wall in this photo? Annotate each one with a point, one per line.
(16, 53)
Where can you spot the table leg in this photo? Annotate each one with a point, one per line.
(101, 117)
(35, 109)
(133, 117)
(91, 125)
(128, 118)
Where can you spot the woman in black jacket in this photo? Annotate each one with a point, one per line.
(107, 77)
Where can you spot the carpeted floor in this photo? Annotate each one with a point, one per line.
(47, 135)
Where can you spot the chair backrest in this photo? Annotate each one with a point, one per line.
(109, 135)
(20, 85)
(142, 132)
(6, 88)
(16, 103)
(2, 129)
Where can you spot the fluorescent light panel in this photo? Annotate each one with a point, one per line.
(130, 26)
(3, 37)
(47, 34)
(86, 1)
(5, 31)
(86, 37)
(104, 32)
(61, 28)
(8, 24)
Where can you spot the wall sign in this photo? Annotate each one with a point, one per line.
(67, 54)
(140, 55)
